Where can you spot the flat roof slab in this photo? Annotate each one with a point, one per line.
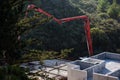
(112, 65)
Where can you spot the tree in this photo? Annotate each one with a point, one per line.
(12, 73)
(103, 5)
(12, 27)
(100, 39)
(114, 10)
(9, 12)
(43, 55)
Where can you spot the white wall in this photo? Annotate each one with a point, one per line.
(103, 77)
(74, 73)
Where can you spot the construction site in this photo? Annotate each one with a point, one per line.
(104, 66)
(60, 40)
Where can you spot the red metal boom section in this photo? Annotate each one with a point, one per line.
(60, 21)
(41, 11)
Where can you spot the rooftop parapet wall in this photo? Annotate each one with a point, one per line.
(77, 75)
(81, 64)
(85, 65)
(101, 56)
(113, 56)
(107, 55)
(74, 72)
(97, 76)
(98, 68)
(104, 66)
(79, 70)
(115, 74)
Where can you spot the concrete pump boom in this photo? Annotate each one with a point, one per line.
(60, 21)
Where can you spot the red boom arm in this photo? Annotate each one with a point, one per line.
(60, 21)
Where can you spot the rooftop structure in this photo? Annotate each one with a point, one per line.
(52, 68)
(104, 66)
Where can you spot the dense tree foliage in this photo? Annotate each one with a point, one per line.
(43, 55)
(104, 16)
(114, 10)
(108, 21)
(104, 28)
(9, 11)
(13, 25)
(34, 39)
(12, 73)
(103, 5)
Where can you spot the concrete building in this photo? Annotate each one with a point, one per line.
(104, 66)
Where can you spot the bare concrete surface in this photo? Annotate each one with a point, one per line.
(111, 65)
(104, 66)
(52, 68)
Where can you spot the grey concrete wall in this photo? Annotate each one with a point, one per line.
(78, 75)
(98, 68)
(113, 56)
(70, 66)
(107, 55)
(80, 70)
(101, 56)
(83, 65)
(115, 74)
(74, 72)
(103, 77)
(89, 72)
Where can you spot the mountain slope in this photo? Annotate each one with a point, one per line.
(52, 36)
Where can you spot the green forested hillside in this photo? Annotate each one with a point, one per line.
(42, 38)
(105, 26)
(104, 17)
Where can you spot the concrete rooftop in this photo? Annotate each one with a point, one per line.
(110, 66)
(104, 66)
(53, 68)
